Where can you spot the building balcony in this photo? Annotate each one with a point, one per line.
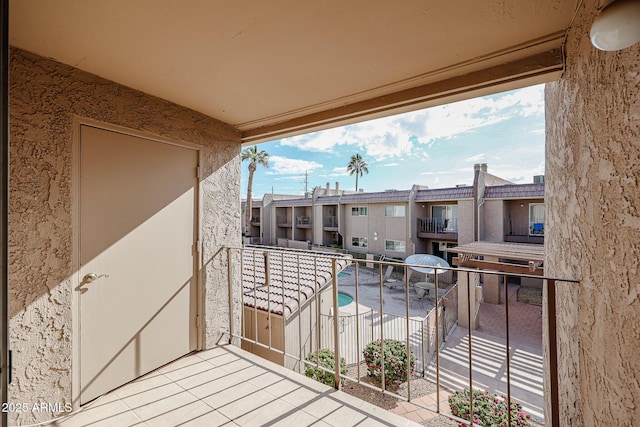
(255, 222)
(330, 223)
(283, 221)
(281, 289)
(518, 232)
(304, 222)
(438, 228)
(228, 386)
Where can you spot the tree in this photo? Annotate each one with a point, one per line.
(255, 158)
(358, 166)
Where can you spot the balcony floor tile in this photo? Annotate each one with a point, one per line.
(228, 386)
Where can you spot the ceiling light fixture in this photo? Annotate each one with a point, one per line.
(618, 26)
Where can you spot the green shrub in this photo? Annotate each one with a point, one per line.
(325, 358)
(488, 409)
(395, 361)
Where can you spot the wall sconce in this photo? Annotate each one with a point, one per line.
(522, 205)
(618, 26)
(375, 235)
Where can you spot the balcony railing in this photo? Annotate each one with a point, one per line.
(283, 221)
(303, 222)
(297, 323)
(517, 231)
(330, 222)
(437, 225)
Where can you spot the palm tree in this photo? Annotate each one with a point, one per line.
(255, 158)
(358, 166)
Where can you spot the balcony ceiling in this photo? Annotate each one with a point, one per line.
(281, 67)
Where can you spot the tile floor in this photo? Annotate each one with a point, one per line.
(227, 386)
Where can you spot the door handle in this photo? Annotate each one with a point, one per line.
(93, 276)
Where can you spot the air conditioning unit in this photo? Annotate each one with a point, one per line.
(443, 246)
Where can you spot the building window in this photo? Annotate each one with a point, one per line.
(359, 211)
(359, 242)
(445, 217)
(395, 245)
(536, 219)
(394, 210)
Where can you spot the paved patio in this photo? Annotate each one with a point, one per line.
(489, 361)
(227, 386)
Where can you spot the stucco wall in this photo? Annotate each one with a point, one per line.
(593, 227)
(44, 98)
(492, 220)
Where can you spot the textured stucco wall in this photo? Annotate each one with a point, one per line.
(44, 97)
(465, 221)
(492, 221)
(593, 227)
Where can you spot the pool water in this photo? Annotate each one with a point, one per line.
(344, 299)
(341, 274)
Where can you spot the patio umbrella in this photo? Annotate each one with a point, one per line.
(429, 263)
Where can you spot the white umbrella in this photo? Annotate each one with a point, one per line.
(430, 263)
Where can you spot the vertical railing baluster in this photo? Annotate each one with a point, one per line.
(508, 353)
(300, 352)
(381, 314)
(284, 313)
(319, 326)
(267, 281)
(409, 371)
(230, 294)
(553, 352)
(336, 337)
(437, 350)
(470, 348)
(357, 282)
(255, 299)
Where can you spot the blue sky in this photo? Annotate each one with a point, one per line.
(436, 147)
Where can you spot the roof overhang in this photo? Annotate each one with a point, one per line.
(470, 253)
(283, 67)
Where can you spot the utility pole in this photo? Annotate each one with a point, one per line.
(306, 183)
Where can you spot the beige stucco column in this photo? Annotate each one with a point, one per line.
(592, 227)
(492, 284)
(469, 294)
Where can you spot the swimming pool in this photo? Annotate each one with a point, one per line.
(344, 299)
(343, 274)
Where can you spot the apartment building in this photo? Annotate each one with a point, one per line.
(398, 223)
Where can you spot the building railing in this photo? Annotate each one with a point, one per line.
(312, 326)
(437, 225)
(525, 232)
(283, 221)
(330, 221)
(303, 221)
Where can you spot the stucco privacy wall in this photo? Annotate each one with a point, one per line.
(44, 97)
(593, 227)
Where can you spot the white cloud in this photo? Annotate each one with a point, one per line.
(476, 158)
(388, 165)
(284, 166)
(452, 119)
(395, 136)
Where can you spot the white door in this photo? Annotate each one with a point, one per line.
(138, 291)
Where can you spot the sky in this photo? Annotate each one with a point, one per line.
(434, 147)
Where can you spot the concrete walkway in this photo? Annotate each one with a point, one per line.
(489, 359)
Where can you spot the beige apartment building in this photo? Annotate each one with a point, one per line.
(192, 84)
(398, 223)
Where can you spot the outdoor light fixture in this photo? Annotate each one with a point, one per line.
(618, 26)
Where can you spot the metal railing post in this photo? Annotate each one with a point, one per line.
(553, 352)
(470, 349)
(381, 314)
(336, 337)
(508, 353)
(437, 350)
(229, 290)
(408, 361)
